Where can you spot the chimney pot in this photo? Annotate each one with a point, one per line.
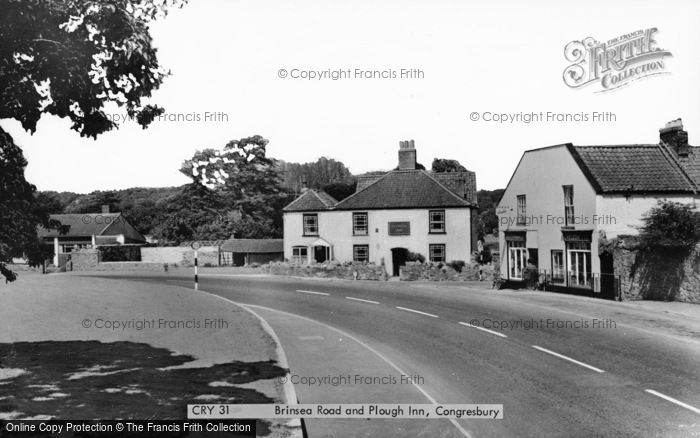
(407, 155)
(675, 137)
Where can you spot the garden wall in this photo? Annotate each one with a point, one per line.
(441, 272)
(348, 271)
(654, 274)
(91, 260)
(181, 255)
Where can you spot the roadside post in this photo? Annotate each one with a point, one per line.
(195, 246)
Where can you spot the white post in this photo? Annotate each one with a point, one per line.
(196, 280)
(55, 251)
(93, 241)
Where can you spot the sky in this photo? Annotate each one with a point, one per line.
(489, 57)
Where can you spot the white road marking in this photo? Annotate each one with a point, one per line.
(493, 332)
(364, 301)
(561, 356)
(417, 311)
(673, 400)
(312, 292)
(430, 398)
(311, 338)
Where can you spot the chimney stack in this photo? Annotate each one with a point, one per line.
(304, 184)
(675, 137)
(407, 155)
(105, 208)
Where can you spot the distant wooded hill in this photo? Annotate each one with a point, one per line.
(176, 214)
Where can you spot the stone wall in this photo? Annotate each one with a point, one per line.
(441, 272)
(181, 256)
(91, 260)
(348, 271)
(657, 274)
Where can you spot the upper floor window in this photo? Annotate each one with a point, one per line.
(569, 217)
(522, 211)
(437, 221)
(360, 225)
(311, 224)
(437, 252)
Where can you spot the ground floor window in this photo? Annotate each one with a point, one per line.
(517, 259)
(578, 255)
(558, 270)
(360, 253)
(437, 253)
(300, 254)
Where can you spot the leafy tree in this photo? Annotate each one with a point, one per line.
(70, 59)
(441, 165)
(322, 172)
(670, 225)
(20, 212)
(247, 182)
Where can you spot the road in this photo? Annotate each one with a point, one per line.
(557, 371)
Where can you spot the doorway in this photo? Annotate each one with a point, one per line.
(321, 253)
(398, 259)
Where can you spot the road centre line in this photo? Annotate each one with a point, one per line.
(493, 332)
(561, 356)
(673, 400)
(364, 301)
(417, 311)
(312, 292)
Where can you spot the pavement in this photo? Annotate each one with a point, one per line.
(561, 365)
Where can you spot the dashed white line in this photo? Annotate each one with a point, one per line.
(561, 356)
(312, 292)
(364, 301)
(673, 400)
(417, 311)
(493, 332)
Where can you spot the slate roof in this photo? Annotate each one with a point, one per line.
(257, 246)
(312, 200)
(404, 189)
(650, 168)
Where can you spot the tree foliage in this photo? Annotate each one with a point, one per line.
(441, 165)
(317, 175)
(670, 225)
(247, 186)
(71, 58)
(20, 212)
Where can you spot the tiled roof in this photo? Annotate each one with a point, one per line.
(259, 246)
(404, 189)
(82, 224)
(364, 180)
(312, 200)
(691, 163)
(633, 169)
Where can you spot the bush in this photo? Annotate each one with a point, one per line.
(415, 257)
(670, 225)
(457, 265)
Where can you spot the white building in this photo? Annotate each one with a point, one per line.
(563, 201)
(405, 210)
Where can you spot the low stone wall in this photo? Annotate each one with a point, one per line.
(91, 260)
(129, 266)
(348, 271)
(441, 272)
(180, 256)
(657, 274)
